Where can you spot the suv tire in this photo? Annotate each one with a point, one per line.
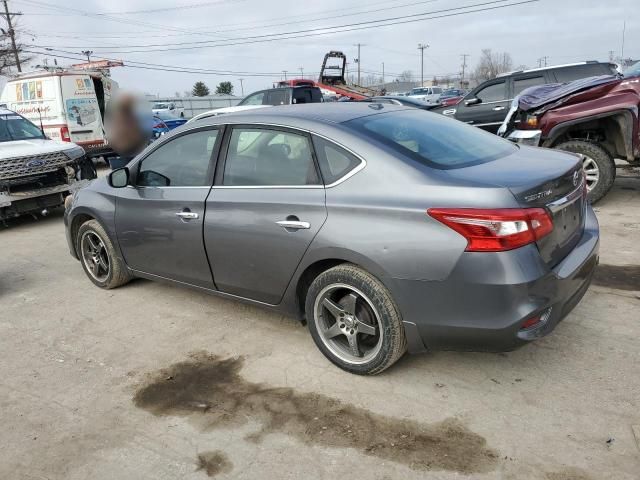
(354, 321)
(99, 258)
(606, 167)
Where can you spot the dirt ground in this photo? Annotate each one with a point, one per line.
(154, 381)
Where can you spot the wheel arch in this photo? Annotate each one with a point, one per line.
(617, 126)
(76, 222)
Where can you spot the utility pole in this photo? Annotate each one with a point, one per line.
(88, 53)
(624, 30)
(382, 73)
(285, 74)
(241, 86)
(11, 34)
(301, 72)
(542, 59)
(464, 67)
(358, 59)
(421, 47)
(611, 55)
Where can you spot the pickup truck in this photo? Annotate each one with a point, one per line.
(596, 118)
(168, 108)
(37, 173)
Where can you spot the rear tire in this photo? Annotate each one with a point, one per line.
(98, 257)
(598, 165)
(354, 321)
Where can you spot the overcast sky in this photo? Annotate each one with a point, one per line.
(563, 30)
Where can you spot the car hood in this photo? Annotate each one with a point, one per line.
(28, 148)
(530, 174)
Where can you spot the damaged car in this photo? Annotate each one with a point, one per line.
(37, 173)
(596, 118)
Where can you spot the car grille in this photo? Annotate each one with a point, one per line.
(21, 166)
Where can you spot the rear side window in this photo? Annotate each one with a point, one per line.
(335, 162)
(569, 74)
(302, 95)
(278, 97)
(262, 157)
(432, 139)
(520, 84)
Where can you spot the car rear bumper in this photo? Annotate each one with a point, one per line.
(482, 305)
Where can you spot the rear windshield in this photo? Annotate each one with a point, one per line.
(432, 139)
(15, 127)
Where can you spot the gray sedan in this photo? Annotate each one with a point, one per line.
(385, 228)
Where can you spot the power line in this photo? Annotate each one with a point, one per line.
(320, 31)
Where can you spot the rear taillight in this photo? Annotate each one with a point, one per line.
(496, 230)
(160, 125)
(64, 134)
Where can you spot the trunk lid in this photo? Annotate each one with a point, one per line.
(541, 178)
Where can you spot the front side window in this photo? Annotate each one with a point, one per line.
(521, 84)
(493, 93)
(255, 99)
(263, 157)
(335, 162)
(182, 162)
(432, 139)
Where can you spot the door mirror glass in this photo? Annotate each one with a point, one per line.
(119, 178)
(472, 101)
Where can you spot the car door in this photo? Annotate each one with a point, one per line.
(266, 207)
(486, 107)
(159, 218)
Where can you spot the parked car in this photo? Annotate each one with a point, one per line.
(427, 94)
(159, 127)
(452, 96)
(387, 228)
(486, 105)
(400, 100)
(224, 110)
(68, 105)
(36, 173)
(284, 96)
(170, 120)
(595, 117)
(168, 108)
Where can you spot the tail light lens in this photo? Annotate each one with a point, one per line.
(64, 134)
(496, 230)
(160, 125)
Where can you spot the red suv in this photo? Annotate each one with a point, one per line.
(595, 117)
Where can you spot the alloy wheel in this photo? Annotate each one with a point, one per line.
(591, 172)
(348, 323)
(95, 256)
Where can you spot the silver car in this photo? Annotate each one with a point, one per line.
(385, 228)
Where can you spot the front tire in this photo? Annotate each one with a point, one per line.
(99, 258)
(354, 321)
(598, 166)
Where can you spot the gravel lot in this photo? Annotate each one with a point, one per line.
(154, 381)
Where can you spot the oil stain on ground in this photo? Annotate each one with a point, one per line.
(625, 277)
(213, 463)
(211, 393)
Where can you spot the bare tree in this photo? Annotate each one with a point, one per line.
(406, 76)
(491, 65)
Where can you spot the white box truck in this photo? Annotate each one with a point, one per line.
(68, 105)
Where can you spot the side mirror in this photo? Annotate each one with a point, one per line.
(473, 101)
(119, 178)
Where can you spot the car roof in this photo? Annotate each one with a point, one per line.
(553, 67)
(327, 113)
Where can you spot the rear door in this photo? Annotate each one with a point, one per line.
(159, 218)
(266, 207)
(492, 109)
(81, 109)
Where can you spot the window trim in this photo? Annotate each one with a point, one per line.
(213, 159)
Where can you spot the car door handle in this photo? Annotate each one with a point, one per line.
(294, 225)
(497, 109)
(187, 215)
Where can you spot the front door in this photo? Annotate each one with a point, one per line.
(159, 219)
(491, 109)
(265, 209)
